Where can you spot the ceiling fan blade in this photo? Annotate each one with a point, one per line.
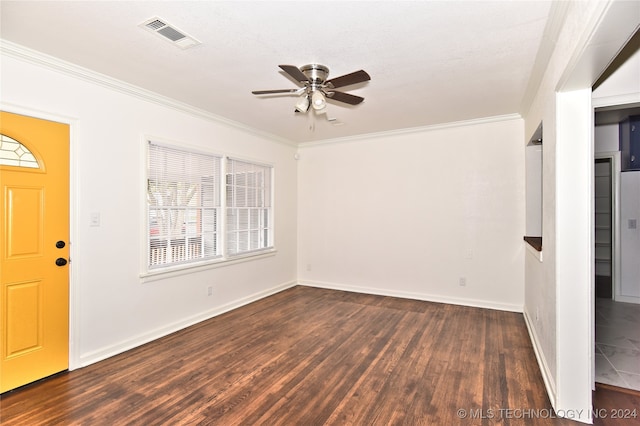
(269, 92)
(348, 79)
(345, 97)
(294, 72)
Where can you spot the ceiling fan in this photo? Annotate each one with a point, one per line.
(317, 89)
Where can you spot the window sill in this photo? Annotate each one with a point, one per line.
(161, 274)
(534, 246)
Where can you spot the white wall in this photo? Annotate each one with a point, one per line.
(574, 249)
(411, 214)
(112, 309)
(630, 237)
(606, 138)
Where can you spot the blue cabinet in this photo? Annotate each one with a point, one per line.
(630, 143)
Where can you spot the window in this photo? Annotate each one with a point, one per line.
(196, 215)
(183, 190)
(13, 153)
(248, 196)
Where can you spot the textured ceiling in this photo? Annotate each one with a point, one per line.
(430, 62)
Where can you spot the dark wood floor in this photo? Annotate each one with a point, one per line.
(309, 356)
(613, 405)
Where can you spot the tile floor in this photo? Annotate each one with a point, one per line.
(618, 343)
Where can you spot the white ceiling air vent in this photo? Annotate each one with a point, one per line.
(169, 33)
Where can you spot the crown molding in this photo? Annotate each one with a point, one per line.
(26, 54)
(411, 130)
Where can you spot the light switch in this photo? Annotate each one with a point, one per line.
(632, 223)
(94, 220)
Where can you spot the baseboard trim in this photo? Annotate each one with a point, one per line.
(139, 340)
(547, 377)
(416, 296)
(626, 299)
(618, 389)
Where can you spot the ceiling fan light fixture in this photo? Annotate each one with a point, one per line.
(318, 100)
(315, 88)
(303, 103)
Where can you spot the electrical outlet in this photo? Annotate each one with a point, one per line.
(462, 281)
(209, 291)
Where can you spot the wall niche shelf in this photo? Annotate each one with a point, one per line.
(535, 242)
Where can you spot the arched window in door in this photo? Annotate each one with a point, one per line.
(13, 153)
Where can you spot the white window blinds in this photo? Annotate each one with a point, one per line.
(183, 190)
(249, 210)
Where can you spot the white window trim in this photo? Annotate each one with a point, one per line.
(190, 268)
(148, 274)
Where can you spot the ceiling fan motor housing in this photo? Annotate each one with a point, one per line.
(317, 74)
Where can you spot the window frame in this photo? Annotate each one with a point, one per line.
(149, 273)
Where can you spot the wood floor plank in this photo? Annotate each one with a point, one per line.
(308, 356)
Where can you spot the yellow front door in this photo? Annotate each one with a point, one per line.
(34, 249)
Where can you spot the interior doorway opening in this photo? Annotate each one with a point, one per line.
(617, 341)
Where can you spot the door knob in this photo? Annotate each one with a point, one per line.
(61, 261)
(60, 244)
